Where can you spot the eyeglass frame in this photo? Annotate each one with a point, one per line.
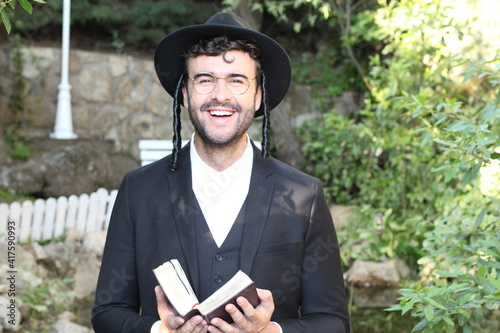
(220, 78)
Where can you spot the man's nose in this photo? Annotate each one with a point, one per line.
(221, 93)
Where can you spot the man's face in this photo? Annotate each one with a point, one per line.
(221, 118)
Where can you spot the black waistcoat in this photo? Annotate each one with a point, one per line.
(217, 265)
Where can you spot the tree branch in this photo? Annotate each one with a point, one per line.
(344, 19)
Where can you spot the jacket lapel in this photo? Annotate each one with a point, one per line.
(258, 201)
(180, 185)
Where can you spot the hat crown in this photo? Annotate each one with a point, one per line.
(228, 19)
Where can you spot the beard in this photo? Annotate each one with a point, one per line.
(221, 140)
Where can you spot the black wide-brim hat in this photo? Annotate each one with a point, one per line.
(274, 60)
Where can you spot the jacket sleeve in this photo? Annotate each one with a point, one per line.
(323, 306)
(117, 302)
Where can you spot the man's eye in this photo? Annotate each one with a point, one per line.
(204, 80)
(236, 81)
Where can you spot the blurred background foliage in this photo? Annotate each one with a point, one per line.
(111, 24)
(419, 162)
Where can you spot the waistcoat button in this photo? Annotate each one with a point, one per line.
(218, 279)
(218, 257)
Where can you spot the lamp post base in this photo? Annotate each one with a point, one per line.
(63, 129)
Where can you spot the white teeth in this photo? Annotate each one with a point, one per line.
(220, 113)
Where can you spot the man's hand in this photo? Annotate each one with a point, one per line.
(170, 323)
(251, 320)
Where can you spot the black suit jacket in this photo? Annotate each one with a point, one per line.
(289, 246)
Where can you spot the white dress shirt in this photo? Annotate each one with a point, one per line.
(221, 194)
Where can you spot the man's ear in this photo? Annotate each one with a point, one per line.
(258, 98)
(184, 96)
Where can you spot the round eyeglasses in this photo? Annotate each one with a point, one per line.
(204, 83)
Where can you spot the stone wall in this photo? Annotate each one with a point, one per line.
(115, 98)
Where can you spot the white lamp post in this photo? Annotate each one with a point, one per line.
(63, 128)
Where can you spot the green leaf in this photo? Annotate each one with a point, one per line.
(426, 139)
(481, 272)
(5, 20)
(422, 324)
(450, 174)
(446, 274)
(464, 313)
(471, 174)
(477, 314)
(489, 113)
(395, 307)
(408, 306)
(468, 75)
(442, 167)
(426, 122)
(495, 156)
(459, 126)
(479, 219)
(434, 303)
(26, 5)
(494, 282)
(429, 312)
(449, 321)
(446, 143)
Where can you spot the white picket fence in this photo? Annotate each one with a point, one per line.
(48, 219)
(52, 218)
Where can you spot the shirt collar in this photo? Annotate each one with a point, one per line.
(198, 165)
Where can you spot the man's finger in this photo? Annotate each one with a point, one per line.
(166, 315)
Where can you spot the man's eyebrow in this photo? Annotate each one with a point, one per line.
(238, 74)
(203, 73)
(228, 75)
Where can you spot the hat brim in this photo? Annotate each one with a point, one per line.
(274, 61)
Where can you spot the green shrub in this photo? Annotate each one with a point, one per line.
(460, 283)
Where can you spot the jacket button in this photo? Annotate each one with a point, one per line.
(218, 279)
(218, 257)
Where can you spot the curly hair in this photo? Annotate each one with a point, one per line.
(220, 46)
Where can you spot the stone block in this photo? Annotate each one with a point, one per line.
(131, 92)
(93, 242)
(159, 101)
(376, 274)
(66, 326)
(95, 83)
(118, 65)
(86, 273)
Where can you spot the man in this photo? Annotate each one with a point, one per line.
(218, 206)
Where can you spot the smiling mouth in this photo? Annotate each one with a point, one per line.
(219, 113)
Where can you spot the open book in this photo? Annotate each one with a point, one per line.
(184, 302)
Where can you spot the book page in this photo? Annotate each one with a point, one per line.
(176, 286)
(232, 288)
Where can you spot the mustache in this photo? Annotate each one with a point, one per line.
(214, 104)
